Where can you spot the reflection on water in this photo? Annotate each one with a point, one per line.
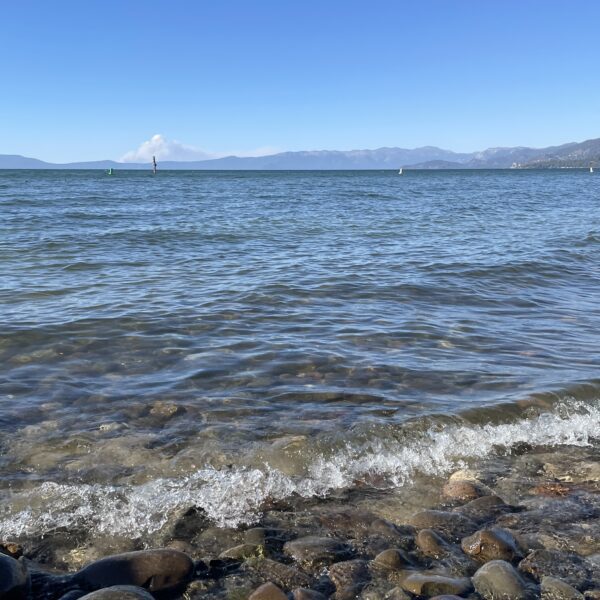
(159, 330)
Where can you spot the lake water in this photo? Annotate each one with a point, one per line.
(227, 339)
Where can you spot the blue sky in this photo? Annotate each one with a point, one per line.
(95, 79)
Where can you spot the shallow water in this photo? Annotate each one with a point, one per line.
(223, 339)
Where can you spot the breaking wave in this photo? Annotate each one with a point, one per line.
(237, 495)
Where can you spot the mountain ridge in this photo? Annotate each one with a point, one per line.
(570, 155)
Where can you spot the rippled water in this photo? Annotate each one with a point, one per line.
(223, 338)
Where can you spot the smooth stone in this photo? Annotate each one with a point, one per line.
(499, 580)
(400, 535)
(571, 568)
(556, 589)
(314, 550)
(431, 544)
(451, 524)
(306, 594)
(154, 570)
(424, 584)
(592, 594)
(462, 490)
(491, 544)
(73, 595)
(256, 536)
(349, 574)
(14, 578)
(267, 591)
(119, 592)
(242, 552)
(392, 558)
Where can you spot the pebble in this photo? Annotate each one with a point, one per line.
(462, 490)
(14, 578)
(485, 509)
(392, 558)
(556, 589)
(267, 591)
(285, 576)
(155, 570)
(428, 585)
(243, 551)
(499, 580)
(306, 594)
(349, 574)
(492, 544)
(119, 592)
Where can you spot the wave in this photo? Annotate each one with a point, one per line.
(237, 495)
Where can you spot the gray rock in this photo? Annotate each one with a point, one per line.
(499, 580)
(349, 574)
(119, 592)
(316, 551)
(451, 557)
(14, 578)
(430, 584)
(453, 525)
(284, 576)
(463, 490)
(485, 509)
(267, 591)
(492, 544)
(571, 568)
(242, 552)
(555, 589)
(154, 570)
(392, 558)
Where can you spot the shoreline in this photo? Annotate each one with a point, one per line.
(537, 511)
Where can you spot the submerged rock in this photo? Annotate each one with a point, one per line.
(283, 575)
(315, 551)
(306, 594)
(429, 584)
(499, 580)
(392, 558)
(154, 570)
(453, 525)
(349, 574)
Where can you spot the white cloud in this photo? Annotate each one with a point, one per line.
(164, 149)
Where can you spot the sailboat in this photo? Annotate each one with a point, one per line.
(154, 164)
(109, 172)
(591, 168)
(400, 171)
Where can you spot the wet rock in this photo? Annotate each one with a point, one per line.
(570, 568)
(154, 570)
(306, 594)
(499, 580)
(188, 524)
(555, 589)
(166, 410)
(446, 597)
(401, 536)
(119, 592)
(73, 595)
(349, 574)
(451, 557)
(485, 509)
(348, 523)
(313, 551)
(267, 591)
(392, 558)
(14, 578)
(463, 490)
(451, 524)
(592, 594)
(283, 575)
(256, 536)
(428, 584)
(492, 544)
(242, 552)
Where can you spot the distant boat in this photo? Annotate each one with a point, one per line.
(110, 171)
(400, 171)
(591, 168)
(154, 164)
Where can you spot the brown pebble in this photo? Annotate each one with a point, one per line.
(267, 591)
(451, 524)
(426, 584)
(462, 490)
(491, 544)
(392, 558)
(306, 594)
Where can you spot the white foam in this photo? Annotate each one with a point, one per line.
(235, 496)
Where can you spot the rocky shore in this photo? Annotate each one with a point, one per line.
(524, 529)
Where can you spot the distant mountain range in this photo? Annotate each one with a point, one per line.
(428, 157)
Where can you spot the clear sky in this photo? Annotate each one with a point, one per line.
(91, 79)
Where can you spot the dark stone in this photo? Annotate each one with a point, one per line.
(492, 544)
(285, 576)
(14, 578)
(571, 568)
(462, 490)
(349, 574)
(453, 525)
(119, 592)
(485, 509)
(499, 580)
(306, 594)
(556, 589)
(153, 570)
(242, 552)
(392, 558)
